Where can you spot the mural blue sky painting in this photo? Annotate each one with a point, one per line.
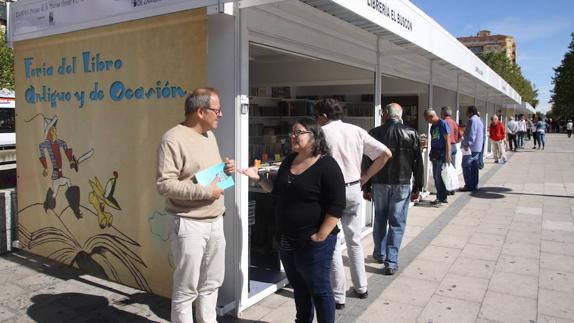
(541, 29)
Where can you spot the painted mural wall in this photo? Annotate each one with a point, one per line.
(92, 106)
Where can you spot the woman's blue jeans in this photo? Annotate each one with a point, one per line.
(309, 270)
(541, 139)
(536, 140)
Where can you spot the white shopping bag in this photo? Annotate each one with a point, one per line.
(449, 177)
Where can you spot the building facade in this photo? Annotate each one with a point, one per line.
(485, 42)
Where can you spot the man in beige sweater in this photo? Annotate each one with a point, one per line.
(198, 243)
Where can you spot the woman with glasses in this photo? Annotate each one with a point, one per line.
(311, 197)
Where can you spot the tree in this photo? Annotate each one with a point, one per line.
(562, 98)
(511, 73)
(6, 65)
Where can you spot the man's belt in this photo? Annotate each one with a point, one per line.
(352, 183)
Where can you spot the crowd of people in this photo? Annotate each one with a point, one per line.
(319, 187)
(559, 126)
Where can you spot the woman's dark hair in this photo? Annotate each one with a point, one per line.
(320, 146)
(329, 107)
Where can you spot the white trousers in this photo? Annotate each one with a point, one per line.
(198, 250)
(498, 150)
(352, 224)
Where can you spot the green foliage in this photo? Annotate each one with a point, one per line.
(512, 74)
(563, 93)
(6, 65)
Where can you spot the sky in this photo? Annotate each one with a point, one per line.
(541, 29)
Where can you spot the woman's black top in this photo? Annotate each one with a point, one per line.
(304, 199)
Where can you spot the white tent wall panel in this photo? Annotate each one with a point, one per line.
(352, 89)
(292, 26)
(443, 97)
(465, 101)
(221, 63)
(301, 73)
(398, 86)
(411, 67)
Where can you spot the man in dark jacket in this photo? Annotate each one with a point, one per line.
(390, 188)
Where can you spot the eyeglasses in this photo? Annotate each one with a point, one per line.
(217, 111)
(297, 133)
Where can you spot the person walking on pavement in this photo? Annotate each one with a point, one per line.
(390, 189)
(497, 137)
(521, 129)
(455, 134)
(569, 127)
(472, 144)
(529, 129)
(198, 243)
(439, 154)
(348, 144)
(540, 132)
(511, 131)
(534, 131)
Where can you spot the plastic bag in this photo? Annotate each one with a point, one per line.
(449, 177)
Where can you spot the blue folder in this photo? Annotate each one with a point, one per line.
(206, 176)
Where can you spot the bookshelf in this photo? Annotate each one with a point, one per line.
(271, 118)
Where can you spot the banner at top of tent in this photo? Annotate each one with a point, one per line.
(412, 26)
(37, 18)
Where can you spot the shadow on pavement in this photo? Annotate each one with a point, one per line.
(229, 319)
(80, 307)
(77, 307)
(490, 193)
(544, 195)
(160, 306)
(427, 204)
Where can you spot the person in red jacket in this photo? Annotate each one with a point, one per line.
(497, 137)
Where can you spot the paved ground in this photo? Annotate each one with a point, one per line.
(504, 254)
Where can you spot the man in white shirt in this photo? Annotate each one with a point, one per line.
(569, 126)
(520, 131)
(511, 130)
(348, 144)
